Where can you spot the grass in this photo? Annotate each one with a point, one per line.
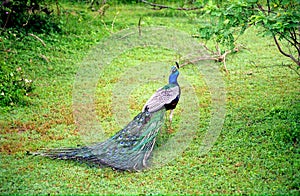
(257, 151)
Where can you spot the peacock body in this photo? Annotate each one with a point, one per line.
(130, 148)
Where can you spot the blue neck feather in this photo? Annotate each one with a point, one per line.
(173, 78)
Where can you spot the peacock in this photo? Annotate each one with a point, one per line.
(129, 149)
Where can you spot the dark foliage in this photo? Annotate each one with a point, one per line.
(29, 15)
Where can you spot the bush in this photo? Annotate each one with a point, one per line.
(14, 86)
(278, 19)
(25, 14)
(18, 18)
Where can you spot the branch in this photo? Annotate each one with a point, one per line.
(295, 70)
(36, 37)
(260, 7)
(224, 60)
(57, 7)
(216, 56)
(103, 9)
(139, 26)
(269, 7)
(6, 21)
(221, 58)
(293, 36)
(206, 48)
(285, 54)
(45, 58)
(112, 24)
(290, 39)
(197, 59)
(159, 6)
(114, 20)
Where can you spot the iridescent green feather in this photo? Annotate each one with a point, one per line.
(129, 149)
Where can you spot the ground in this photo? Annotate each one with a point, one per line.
(257, 150)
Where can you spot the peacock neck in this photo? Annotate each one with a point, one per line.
(173, 82)
(173, 79)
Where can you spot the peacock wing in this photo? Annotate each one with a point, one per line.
(162, 96)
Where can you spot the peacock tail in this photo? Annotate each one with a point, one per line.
(129, 149)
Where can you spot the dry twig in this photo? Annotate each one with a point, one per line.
(215, 56)
(196, 60)
(139, 26)
(103, 9)
(159, 6)
(36, 37)
(45, 58)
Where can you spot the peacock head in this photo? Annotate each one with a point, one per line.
(174, 74)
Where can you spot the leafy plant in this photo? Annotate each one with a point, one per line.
(14, 85)
(28, 14)
(277, 18)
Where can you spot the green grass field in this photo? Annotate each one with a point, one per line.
(257, 151)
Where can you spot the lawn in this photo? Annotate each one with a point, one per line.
(249, 118)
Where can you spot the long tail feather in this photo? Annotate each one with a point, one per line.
(129, 149)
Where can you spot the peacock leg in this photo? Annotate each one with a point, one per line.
(171, 116)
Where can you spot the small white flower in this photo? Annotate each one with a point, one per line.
(27, 81)
(19, 69)
(2, 93)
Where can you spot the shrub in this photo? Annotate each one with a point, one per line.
(27, 14)
(14, 86)
(278, 19)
